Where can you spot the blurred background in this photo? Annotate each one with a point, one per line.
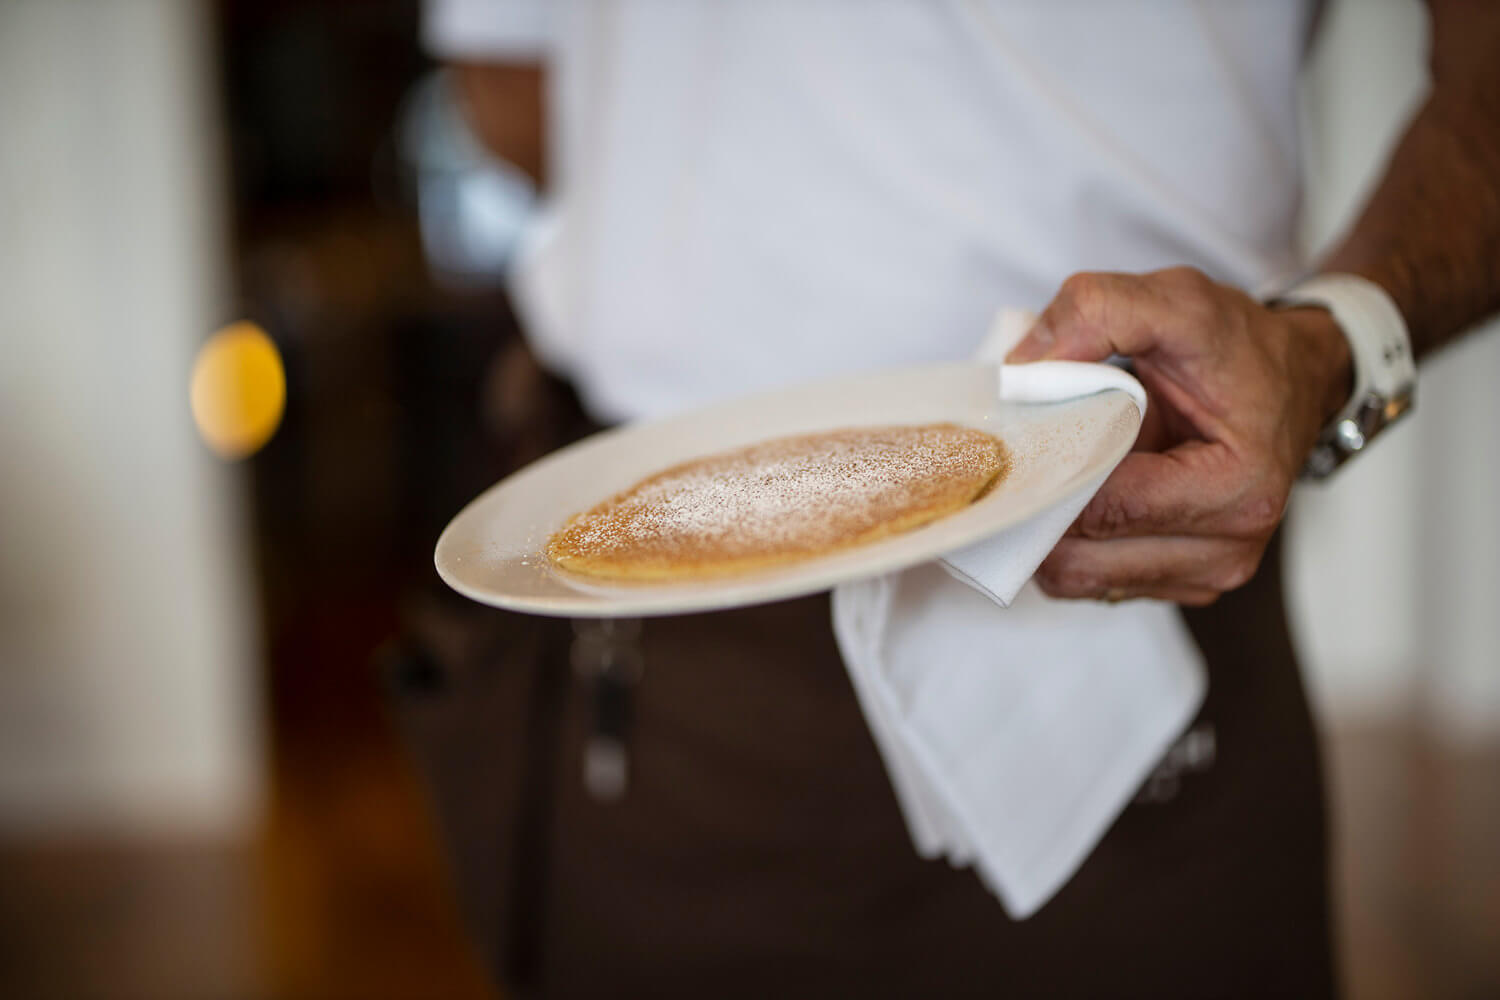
(203, 792)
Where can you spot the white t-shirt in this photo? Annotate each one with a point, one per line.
(752, 192)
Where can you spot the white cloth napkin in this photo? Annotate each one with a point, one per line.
(1015, 728)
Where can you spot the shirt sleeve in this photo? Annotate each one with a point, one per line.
(485, 30)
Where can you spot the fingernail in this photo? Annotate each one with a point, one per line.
(1033, 347)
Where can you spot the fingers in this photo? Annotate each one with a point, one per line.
(1095, 315)
(1189, 522)
(1185, 570)
(1153, 493)
(1194, 489)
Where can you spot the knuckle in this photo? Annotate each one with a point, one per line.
(1200, 284)
(1185, 279)
(1078, 284)
(1259, 513)
(1082, 293)
(1195, 297)
(1112, 514)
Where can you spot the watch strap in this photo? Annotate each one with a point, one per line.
(1385, 371)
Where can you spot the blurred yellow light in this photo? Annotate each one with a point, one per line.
(238, 390)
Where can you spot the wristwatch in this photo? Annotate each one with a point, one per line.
(1385, 373)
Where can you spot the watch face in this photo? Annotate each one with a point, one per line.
(1351, 434)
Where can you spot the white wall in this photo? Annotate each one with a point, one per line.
(126, 630)
(1395, 565)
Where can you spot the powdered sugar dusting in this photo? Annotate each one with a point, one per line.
(785, 498)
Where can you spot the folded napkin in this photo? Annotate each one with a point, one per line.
(1015, 728)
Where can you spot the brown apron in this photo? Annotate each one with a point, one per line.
(696, 808)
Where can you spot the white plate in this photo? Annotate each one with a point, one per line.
(492, 551)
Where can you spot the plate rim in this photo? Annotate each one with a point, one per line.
(653, 600)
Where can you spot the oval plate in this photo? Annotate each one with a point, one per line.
(493, 550)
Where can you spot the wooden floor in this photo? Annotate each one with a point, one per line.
(340, 894)
(343, 895)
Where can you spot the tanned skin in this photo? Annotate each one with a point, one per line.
(1239, 391)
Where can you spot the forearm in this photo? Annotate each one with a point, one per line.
(1430, 235)
(1239, 391)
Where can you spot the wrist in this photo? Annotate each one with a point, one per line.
(1325, 361)
(1379, 348)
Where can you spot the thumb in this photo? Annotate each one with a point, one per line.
(1035, 346)
(1094, 316)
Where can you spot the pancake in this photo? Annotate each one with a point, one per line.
(780, 501)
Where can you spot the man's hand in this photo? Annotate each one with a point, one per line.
(1238, 393)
